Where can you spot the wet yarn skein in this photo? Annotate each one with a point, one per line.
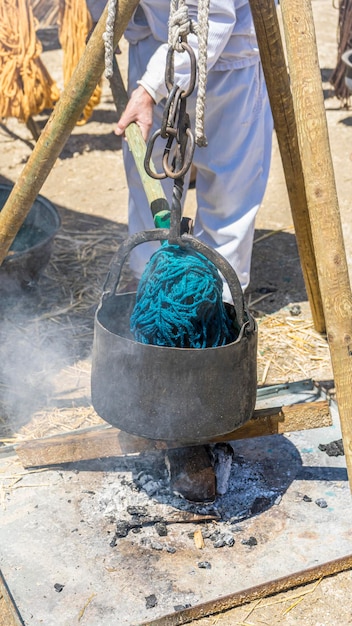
(179, 302)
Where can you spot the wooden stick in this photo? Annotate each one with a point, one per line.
(152, 187)
(322, 202)
(9, 616)
(218, 605)
(278, 85)
(58, 128)
(105, 441)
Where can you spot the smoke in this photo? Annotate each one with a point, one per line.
(29, 364)
(34, 350)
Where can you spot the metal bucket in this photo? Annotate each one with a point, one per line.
(31, 249)
(180, 394)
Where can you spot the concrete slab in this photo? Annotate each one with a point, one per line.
(287, 508)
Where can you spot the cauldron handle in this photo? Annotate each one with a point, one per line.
(162, 234)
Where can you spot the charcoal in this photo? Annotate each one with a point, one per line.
(334, 448)
(151, 487)
(151, 601)
(260, 504)
(161, 529)
(207, 534)
(251, 541)
(155, 545)
(295, 309)
(322, 503)
(224, 539)
(135, 522)
(122, 528)
(219, 543)
(213, 536)
(138, 511)
(229, 539)
(171, 549)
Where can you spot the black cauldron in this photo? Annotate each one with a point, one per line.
(181, 394)
(31, 249)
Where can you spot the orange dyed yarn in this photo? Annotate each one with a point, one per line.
(75, 23)
(26, 87)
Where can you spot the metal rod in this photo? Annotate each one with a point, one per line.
(264, 590)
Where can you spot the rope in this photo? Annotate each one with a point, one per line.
(75, 23)
(180, 25)
(26, 87)
(179, 302)
(108, 37)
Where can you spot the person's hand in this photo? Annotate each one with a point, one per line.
(140, 110)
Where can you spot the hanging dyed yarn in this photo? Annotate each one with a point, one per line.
(179, 302)
(75, 23)
(26, 87)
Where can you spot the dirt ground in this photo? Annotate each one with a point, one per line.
(88, 186)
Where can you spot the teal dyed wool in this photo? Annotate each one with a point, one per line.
(179, 302)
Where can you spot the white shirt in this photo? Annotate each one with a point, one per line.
(232, 41)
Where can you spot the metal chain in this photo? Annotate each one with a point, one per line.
(175, 127)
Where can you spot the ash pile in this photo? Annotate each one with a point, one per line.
(142, 501)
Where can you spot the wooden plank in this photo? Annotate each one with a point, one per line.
(314, 147)
(278, 84)
(105, 441)
(9, 616)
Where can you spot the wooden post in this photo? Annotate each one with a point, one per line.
(58, 128)
(322, 202)
(277, 80)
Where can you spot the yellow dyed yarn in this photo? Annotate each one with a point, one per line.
(75, 23)
(26, 87)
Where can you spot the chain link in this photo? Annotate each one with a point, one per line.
(175, 127)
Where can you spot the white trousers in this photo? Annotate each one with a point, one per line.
(232, 171)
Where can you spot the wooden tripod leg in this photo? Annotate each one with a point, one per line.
(278, 85)
(322, 202)
(58, 128)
